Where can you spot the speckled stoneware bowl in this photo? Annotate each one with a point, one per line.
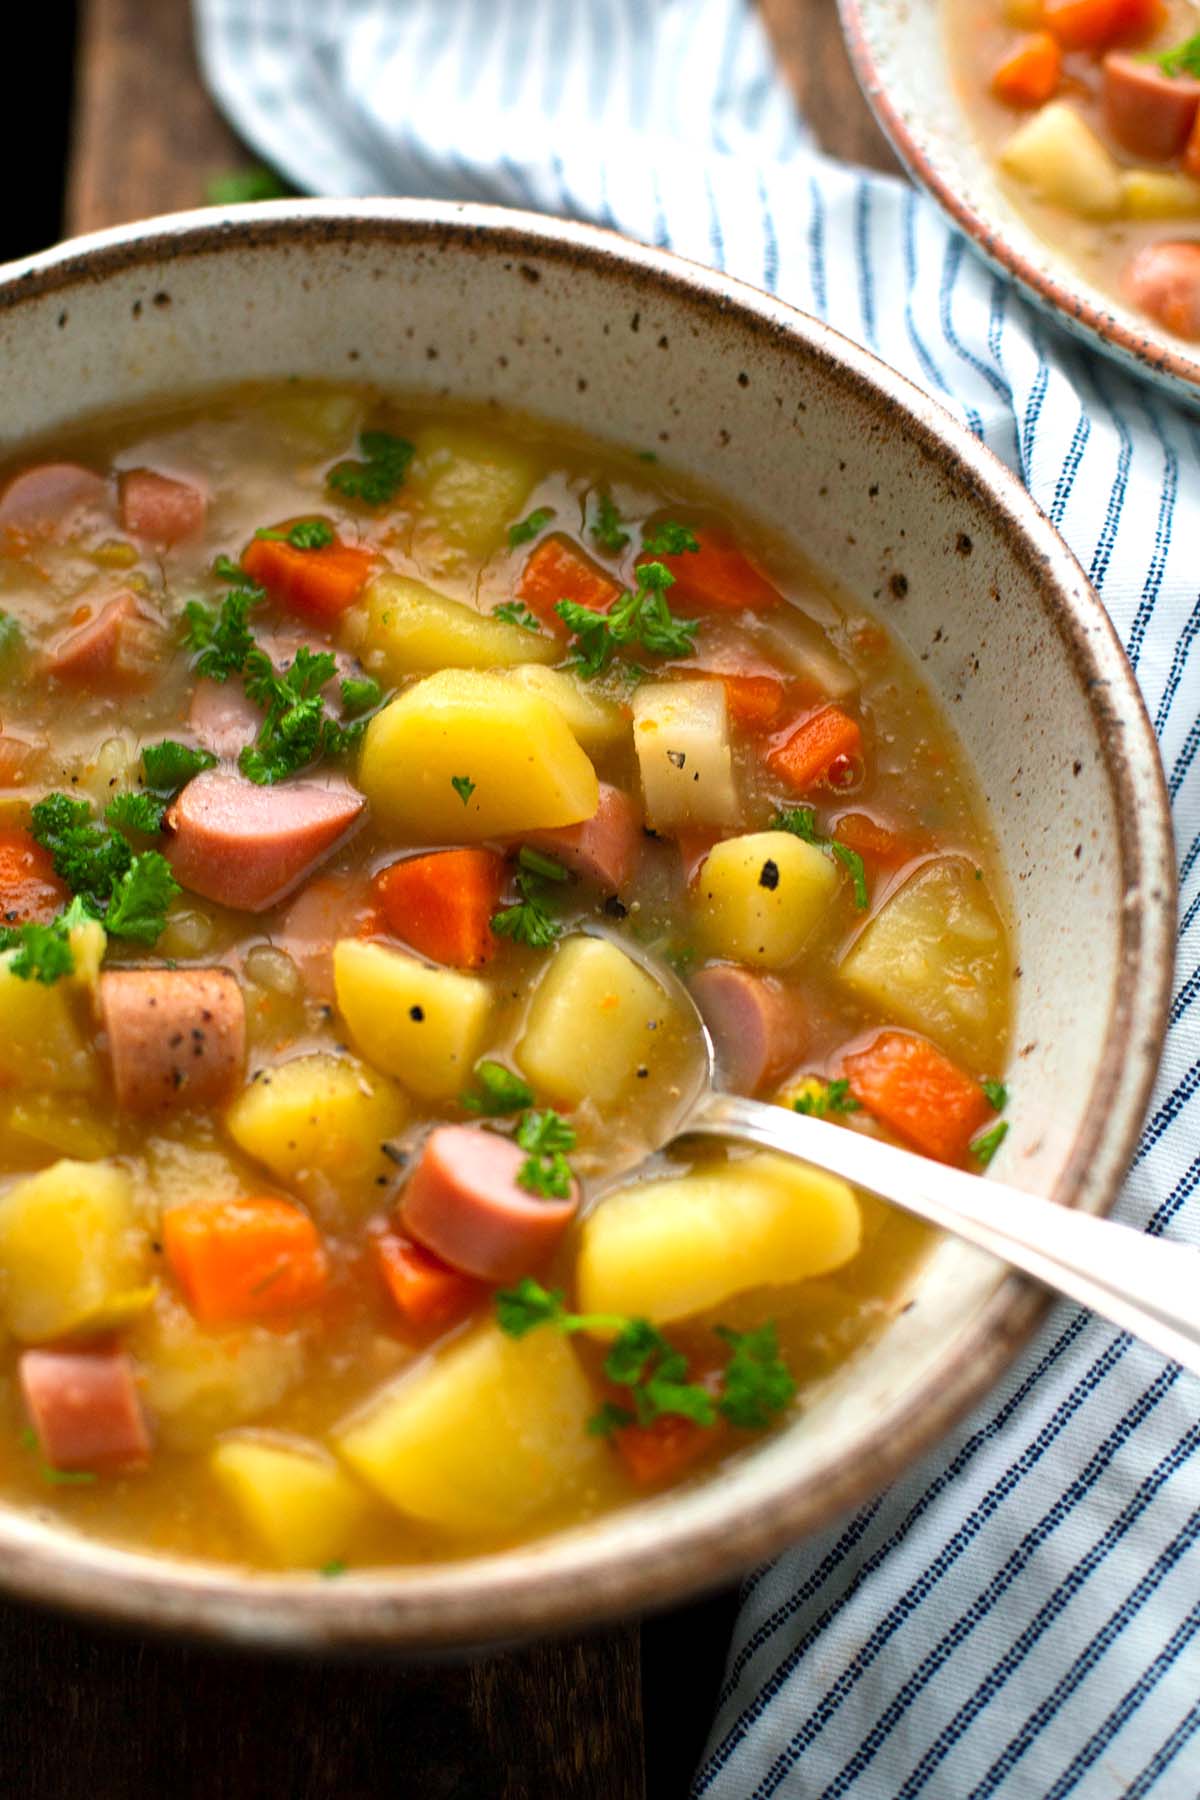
(899, 52)
(905, 509)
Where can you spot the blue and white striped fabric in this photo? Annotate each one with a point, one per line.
(1020, 1616)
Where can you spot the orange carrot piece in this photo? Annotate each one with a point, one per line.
(239, 1260)
(428, 1293)
(754, 701)
(918, 1093)
(877, 843)
(558, 570)
(659, 1451)
(803, 757)
(716, 578)
(1030, 76)
(1139, 19)
(1097, 24)
(442, 904)
(318, 584)
(30, 891)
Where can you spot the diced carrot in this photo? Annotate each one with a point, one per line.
(918, 1093)
(877, 843)
(717, 578)
(442, 904)
(558, 570)
(1139, 19)
(428, 1293)
(30, 891)
(656, 1452)
(802, 758)
(754, 701)
(1030, 76)
(318, 584)
(1096, 24)
(238, 1260)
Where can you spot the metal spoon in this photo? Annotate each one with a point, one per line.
(1147, 1286)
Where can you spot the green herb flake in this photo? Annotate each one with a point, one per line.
(529, 921)
(606, 525)
(536, 864)
(500, 1091)
(331, 1570)
(380, 475)
(997, 1095)
(669, 539)
(525, 530)
(170, 765)
(463, 786)
(641, 616)
(305, 534)
(135, 811)
(297, 730)
(237, 187)
(515, 612)
(757, 1384)
(547, 1137)
(1180, 59)
(825, 1099)
(985, 1146)
(360, 694)
(801, 821)
(220, 637)
(138, 907)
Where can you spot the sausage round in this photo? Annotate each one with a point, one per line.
(160, 508)
(120, 648)
(84, 1408)
(1163, 280)
(176, 1037)
(50, 494)
(1148, 112)
(246, 846)
(756, 1027)
(462, 1202)
(603, 848)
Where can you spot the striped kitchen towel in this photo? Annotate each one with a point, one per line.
(1019, 1616)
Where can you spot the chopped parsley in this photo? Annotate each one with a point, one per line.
(669, 539)
(525, 530)
(500, 1091)
(825, 1099)
(305, 534)
(170, 765)
(221, 637)
(330, 1570)
(1181, 59)
(136, 811)
(606, 525)
(297, 729)
(985, 1146)
(238, 186)
(529, 921)
(138, 907)
(547, 1137)
(377, 478)
(535, 863)
(463, 786)
(641, 616)
(758, 1384)
(360, 694)
(997, 1095)
(128, 893)
(801, 821)
(43, 952)
(515, 612)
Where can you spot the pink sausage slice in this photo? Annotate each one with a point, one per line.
(463, 1203)
(327, 909)
(120, 648)
(222, 717)
(1163, 280)
(246, 846)
(50, 494)
(84, 1407)
(757, 1027)
(604, 848)
(176, 1037)
(1148, 112)
(160, 508)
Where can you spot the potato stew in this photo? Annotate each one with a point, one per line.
(1091, 109)
(359, 766)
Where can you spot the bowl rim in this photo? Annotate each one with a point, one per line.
(1068, 297)
(575, 1579)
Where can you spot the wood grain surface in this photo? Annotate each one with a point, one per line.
(86, 1714)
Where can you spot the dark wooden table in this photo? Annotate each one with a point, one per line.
(86, 1714)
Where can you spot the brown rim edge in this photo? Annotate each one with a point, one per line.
(574, 1580)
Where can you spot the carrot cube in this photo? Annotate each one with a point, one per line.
(239, 1260)
(909, 1086)
(803, 757)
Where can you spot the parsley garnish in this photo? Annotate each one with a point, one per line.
(305, 534)
(502, 1091)
(536, 864)
(529, 921)
(330, 1570)
(222, 638)
(515, 612)
(242, 185)
(758, 1384)
(463, 786)
(820, 1099)
(669, 539)
(297, 730)
(1181, 59)
(547, 1137)
(997, 1095)
(606, 526)
(376, 479)
(360, 694)
(138, 908)
(525, 530)
(135, 811)
(43, 952)
(640, 616)
(985, 1146)
(170, 765)
(129, 894)
(801, 821)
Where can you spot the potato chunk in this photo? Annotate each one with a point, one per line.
(681, 735)
(317, 1122)
(423, 1025)
(411, 629)
(42, 1041)
(299, 1506)
(589, 1023)
(73, 1255)
(759, 898)
(598, 724)
(1160, 194)
(511, 752)
(471, 486)
(1063, 162)
(482, 1436)
(199, 1382)
(669, 1249)
(934, 957)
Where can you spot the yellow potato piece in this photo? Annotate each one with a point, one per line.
(63, 1124)
(681, 735)
(1160, 194)
(42, 1041)
(423, 1025)
(934, 957)
(413, 630)
(318, 1122)
(597, 724)
(526, 769)
(316, 419)
(300, 1507)
(71, 1250)
(589, 1025)
(1062, 161)
(471, 486)
(482, 1436)
(759, 898)
(198, 1382)
(669, 1249)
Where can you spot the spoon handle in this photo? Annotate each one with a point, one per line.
(1146, 1285)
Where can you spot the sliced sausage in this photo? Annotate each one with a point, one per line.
(84, 1407)
(327, 909)
(1163, 280)
(1148, 112)
(51, 494)
(604, 848)
(176, 1037)
(222, 717)
(120, 648)
(757, 1027)
(160, 508)
(247, 846)
(462, 1202)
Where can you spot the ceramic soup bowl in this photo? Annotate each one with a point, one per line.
(904, 509)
